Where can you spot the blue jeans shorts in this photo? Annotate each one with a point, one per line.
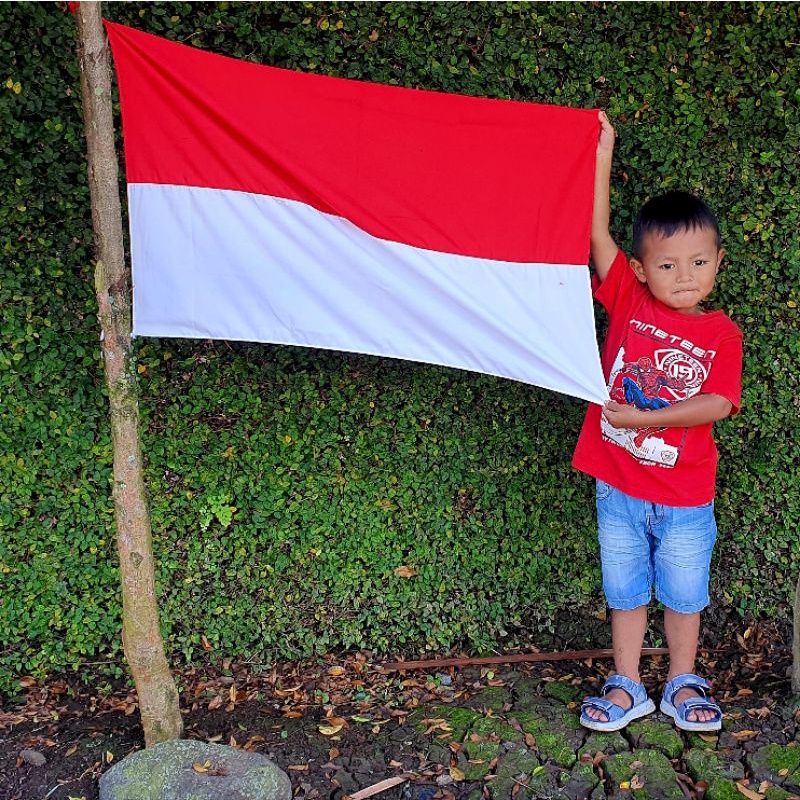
(643, 543)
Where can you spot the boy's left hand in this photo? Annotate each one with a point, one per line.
(620, 415)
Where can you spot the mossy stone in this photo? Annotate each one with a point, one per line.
(551, 742)
(776, 793)
(460, 720)
(581, 781)
(696, 740)
(653, 769)
(526, 692)
(721, 789)
(703, 765)
(608, 743)
(778, 764)
(517, 761)
(495, 727)
(495, 698)
(655, 735)
(164, 772)
(565, 692)
(477, 757)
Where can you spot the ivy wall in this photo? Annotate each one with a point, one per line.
(307, 501)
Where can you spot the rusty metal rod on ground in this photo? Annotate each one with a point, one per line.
(566, 655)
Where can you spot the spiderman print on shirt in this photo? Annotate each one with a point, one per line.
(650, 382)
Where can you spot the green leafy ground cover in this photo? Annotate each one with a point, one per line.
(288, 486)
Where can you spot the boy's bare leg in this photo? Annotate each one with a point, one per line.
(683, 634)
(627, 636)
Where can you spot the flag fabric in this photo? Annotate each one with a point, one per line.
(276, 206)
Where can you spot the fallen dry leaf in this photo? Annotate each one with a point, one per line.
(336, 672)
(405, 572)
(201, 768)
(740, 736)
(215, 703)
(329, 730)
(747, 792)
(456, 774)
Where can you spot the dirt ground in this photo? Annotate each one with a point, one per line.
(340, 724)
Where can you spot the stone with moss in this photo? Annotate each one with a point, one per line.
(552, 741)
(655, 735)
(495, 698)
(564, 692)
(703, 765)
(517, 766)
(776, 793)
(778, 764)
(608, 743)
(475, 758)
(722, 789)
(168, 771)
(494, 727)
(570, 720)
(459, 720)
(526, 693)
(580, 782)
(651, 768)
(702, 741)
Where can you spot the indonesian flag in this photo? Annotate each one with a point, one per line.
(274, 206)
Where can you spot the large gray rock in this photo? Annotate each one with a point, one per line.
(165, 772)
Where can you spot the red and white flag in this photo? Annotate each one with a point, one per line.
(274, 206)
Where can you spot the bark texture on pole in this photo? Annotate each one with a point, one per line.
(796, 642)
(141, 636)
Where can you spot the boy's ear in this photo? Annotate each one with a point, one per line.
(720, 255)
(638, 269)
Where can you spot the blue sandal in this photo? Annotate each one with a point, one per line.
(703, 702)
(617, 716)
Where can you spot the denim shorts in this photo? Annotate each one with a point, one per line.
(642, 543)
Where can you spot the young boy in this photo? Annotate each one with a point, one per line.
(672, 371)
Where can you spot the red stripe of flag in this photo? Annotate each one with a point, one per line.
(497, 179)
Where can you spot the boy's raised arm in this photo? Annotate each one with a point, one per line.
(603, 248)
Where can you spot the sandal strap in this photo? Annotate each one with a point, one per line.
(686, 681)
(634, 690)
(699, 704)
(611, 710)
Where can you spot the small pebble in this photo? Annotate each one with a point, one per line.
(33, 757)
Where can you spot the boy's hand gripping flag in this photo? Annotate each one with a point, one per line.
(274, 206)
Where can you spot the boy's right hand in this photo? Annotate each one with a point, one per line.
(608, 135)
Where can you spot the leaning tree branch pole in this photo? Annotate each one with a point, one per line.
(796, 642)
(141, 636)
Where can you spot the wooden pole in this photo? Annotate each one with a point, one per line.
(796, 642)
(141, 636)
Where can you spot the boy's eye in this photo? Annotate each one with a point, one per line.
(700, 262)
(665, 266)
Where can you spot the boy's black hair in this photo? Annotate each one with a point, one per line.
(672, 213)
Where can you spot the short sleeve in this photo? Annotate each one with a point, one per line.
(620, 286)
(725, 377)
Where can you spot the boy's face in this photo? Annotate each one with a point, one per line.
(680, 269)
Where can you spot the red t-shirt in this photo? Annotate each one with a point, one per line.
(653, 357)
